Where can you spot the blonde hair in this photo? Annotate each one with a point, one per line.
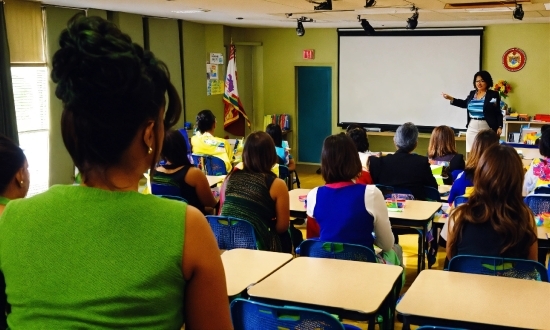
(442, 142)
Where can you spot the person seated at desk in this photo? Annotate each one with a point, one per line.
(101, 255)
(359, 138)
(14, 172)
(285, 158)
(404, 169)
(205, 143)
(344, 211)
(495, 222)
(483, 140)
(442, 149)
(538, 173)
(256, 195)
(177, 170)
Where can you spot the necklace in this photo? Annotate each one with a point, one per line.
(479, 94)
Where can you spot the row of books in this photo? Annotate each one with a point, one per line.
(282, 120)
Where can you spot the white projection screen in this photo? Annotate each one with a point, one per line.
(394, 77)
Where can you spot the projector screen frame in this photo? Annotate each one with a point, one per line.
(353, 32)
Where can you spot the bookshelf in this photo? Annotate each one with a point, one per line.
(514, 126)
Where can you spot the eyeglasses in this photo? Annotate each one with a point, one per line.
(480, 81)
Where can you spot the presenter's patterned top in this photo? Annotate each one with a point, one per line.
(475, 108)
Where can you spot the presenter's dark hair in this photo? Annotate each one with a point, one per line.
(276, 134)
(359, 138)
(174, 149)
(486, 76)
(110, 88)
(12, 159)
(205, 121)
(544, 143)
(259, 154)
(339, 159)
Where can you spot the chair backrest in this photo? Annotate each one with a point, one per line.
(320, 249)
(460, 200)
(496, 266)
(284, 174)
(538, 203)
(215, 166)
(542, 190)
(232, 233)
(165, 189)
(386, 190)
(252, 315)
(432, 194)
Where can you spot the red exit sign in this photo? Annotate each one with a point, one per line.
(308, 54)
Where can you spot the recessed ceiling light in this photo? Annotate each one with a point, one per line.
(191, 11)
(547, 6)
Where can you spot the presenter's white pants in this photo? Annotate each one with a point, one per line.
(473, 128)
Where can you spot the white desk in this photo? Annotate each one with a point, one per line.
(351, 289)
(416, 214)
(297, 208)
(466, 299)
(213, 180)
(245, 267)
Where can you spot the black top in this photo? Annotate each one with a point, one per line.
(491, 110)
(178, 178)
(404, 170)
(483, 240)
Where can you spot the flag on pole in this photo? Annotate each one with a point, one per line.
(234, 114)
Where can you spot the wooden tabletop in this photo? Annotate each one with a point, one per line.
(416, 210)
(355, 286)
(213, 180)
(294, 198)
(245, 267)
(543, 232)
(482, 299)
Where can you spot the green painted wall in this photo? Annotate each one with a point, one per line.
(531, 85)
(130, 24)
(61, 164)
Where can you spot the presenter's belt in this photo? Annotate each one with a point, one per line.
(477, 118)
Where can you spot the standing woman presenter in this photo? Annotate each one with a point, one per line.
(483, 106)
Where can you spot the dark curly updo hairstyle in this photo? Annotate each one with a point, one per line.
(205, 121)
(110, 88)
(12, 159)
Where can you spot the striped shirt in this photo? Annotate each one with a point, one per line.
(475, 108)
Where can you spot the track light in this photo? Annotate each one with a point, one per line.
(412, 21)
(518, 12)
(300, 30)
(366, 25)
(370, 3)
(327, 5)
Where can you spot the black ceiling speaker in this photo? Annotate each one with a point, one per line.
(412, 21)
(370, 3)
(327, 5)
(300, 31)
(518, 12)
(367, 27)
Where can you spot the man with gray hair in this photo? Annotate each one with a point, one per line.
(404, 169)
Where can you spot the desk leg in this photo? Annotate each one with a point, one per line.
(372, 322)
(424, 244)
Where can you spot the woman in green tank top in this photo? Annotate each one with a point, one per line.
(101, 255)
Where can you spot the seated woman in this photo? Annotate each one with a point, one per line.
(495, 222)
(359, 138)
(348, 212)
(285, 158)
(538, 173)
(256, 194)
(404, 169)
(205, 143)
(14, 172)
(178, 171)
(103, 255)
(442, 149)
(483, 140)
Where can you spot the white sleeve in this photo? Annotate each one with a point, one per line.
(376, 206)
(311, 199)
(446, 227)
(530, 181)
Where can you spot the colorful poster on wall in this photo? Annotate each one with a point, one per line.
(216, 58)
(214, 87)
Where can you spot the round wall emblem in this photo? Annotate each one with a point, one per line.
(514, 59)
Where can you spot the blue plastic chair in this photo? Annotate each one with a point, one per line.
(542, 190)
(432, 194)
(320, 249)
(210, 165)
(232, 233)
(165, 189)
(460, 200)
(252, 315)
(538, 203)
(284, 174)
(496, 266)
